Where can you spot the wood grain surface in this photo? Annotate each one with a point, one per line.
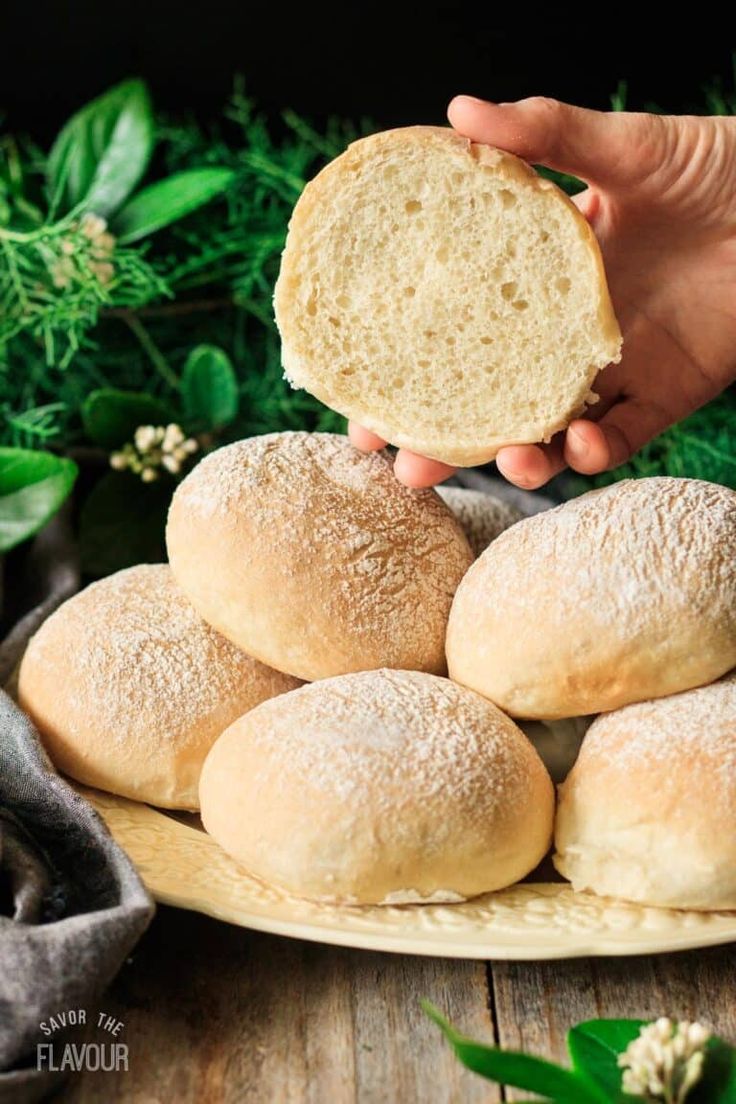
(215, 1013)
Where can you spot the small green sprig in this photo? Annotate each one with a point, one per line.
(193, 261)
(612, 1062)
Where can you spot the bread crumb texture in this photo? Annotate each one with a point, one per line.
(310, 555)
(129, 687)
(378, 787)
(444, 295)
(621, 595)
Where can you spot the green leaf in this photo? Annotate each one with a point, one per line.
(33, 486)
(111, 417)
(123, 522)
(718, 1082)
(594, 1048)
(523, 1071)
(168, 200)
(209, 388)
(103, 151)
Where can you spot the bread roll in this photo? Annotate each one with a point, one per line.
(444, 295)
(385, 787)
(624, 594)
(129, 688)
(312, 557)
(648, 812)
(482, 516)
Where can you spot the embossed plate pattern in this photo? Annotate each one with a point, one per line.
(182, 866)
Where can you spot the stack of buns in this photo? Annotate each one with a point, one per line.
(339, 671)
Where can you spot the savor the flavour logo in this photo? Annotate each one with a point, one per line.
(59, 1055)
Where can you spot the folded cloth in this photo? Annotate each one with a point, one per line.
(71, 903)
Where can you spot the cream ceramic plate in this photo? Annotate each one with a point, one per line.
(183, 866)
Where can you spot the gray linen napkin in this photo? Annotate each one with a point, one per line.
(71, 904)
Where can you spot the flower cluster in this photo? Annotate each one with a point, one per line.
(88, 238)
(154, 448)
(665, 1061)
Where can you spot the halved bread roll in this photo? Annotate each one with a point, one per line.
(444, 295)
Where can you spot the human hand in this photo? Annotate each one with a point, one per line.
(661, 198)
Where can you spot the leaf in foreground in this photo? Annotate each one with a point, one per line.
(522, 1071)
(594, 1048)
(33, 485)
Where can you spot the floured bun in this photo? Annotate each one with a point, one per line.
(482, 516)
(648, 812)
(623, 594)
(384, 787)
(443, 295)
(311, 556)
(129, 688)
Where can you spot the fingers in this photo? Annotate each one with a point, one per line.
(593, 447)
(530, 466)
(410, 469)
(609, 148)
(587, 447)
(363, 439)
(420, 471)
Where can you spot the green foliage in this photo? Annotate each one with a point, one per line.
(205, 279)
(167, 201)
(594, 1048)
(103, 151)
(123, 522)
(595, 1077)
(111, 417)
(209, 389)
(522, 1071)
(33, 485)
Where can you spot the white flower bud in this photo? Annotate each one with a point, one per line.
(148, 475)
(92, 225)
(697, 1035)
(172, 437)
(171, 464)
(103, 270)
(144, 437)
(118, 461)
(104, 244)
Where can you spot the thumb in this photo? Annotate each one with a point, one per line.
(609, 148)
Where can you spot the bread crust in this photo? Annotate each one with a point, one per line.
(317, 378)
(382, 787)
(623, 594)
(129, 688)
(648, 812)
(311, 556)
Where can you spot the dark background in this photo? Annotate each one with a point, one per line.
(397, 64)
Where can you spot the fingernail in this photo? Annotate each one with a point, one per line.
(580, 445)
(472, 99)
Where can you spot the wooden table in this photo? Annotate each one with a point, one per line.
(215, 1013)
